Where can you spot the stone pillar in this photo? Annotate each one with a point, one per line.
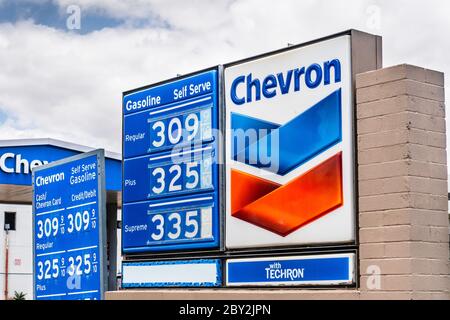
(402, 178)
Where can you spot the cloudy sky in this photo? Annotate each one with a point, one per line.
(65, 82)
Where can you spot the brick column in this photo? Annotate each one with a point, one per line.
(402, 178)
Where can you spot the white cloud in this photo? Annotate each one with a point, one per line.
(68, 86)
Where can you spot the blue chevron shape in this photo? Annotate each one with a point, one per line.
(299, 140)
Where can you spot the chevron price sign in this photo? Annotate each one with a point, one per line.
(289, 147)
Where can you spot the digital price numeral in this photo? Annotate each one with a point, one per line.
(47, 227)
(80, 221)
(175, 225)
(181, 177)
(77, 265)
(182, 128)
(80, 265)
(74, 222)
(49, 269)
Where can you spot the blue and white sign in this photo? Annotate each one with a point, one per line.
(167, 224)
(185, 114)
(170, 167)
(170, 173)
(174, 273)
(17, 163)
(289, 147)
(330, 269)
(69, 228)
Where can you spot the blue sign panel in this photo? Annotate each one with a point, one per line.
(167, 224)
(68, 218)
(169, 126)
(174, 91)
(170, 173)
(332, 269)
(173, 273)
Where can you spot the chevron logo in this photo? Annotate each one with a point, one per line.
(283, 209)
(295, 142)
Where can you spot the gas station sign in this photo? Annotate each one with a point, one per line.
(289, 147)
(171, 175)
(69, 228)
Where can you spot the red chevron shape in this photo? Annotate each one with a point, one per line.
(284, 209)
